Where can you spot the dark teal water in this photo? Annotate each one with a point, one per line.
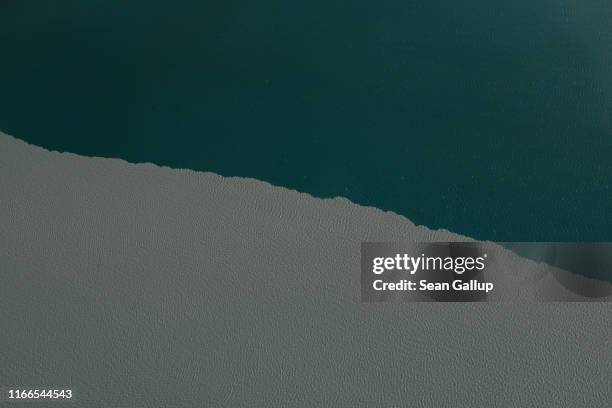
(491, 119)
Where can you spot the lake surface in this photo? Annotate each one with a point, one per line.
(490, 120)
